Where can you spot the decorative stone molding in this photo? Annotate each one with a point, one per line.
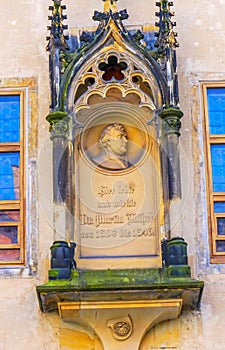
(172, 117)
(59, 124)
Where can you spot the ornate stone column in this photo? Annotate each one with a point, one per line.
(171, 131)
(60, 130)
(171, 117)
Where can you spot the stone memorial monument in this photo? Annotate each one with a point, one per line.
(115, 125)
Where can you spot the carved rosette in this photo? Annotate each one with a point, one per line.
(121, 327)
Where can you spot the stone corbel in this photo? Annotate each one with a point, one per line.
(120, 323)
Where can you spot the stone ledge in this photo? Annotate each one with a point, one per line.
(113, 285)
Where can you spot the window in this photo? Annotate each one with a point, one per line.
(214, 124)
(12, 177)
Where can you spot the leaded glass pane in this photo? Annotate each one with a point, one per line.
(221, 226)
(8, 234)
(219, 207)
(220, 246)
(9, 255)
(9, 215)
(218, 167)
(9, 175)
(216, 110)
(10, 118)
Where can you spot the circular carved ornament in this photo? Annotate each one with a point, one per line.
(121, 327)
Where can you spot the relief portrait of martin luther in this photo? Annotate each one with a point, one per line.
(113, 144)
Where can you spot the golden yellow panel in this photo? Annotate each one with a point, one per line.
(165, 336)
(71, 339)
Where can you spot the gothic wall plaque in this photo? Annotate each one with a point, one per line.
(117, 187)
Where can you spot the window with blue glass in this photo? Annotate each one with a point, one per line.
(12, 184)
(214, 113)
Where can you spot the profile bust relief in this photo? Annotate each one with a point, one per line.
(113, 144)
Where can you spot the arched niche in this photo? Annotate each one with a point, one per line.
(118, 210)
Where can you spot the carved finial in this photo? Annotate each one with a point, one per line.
(166, 45)
(110, 5)
(57, 28)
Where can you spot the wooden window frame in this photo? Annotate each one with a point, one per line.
(18, 204)
(212, 197)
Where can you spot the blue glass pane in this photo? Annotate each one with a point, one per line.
(9, 175)
(221, 226)
(218, 167)
(10, 118)
(216, 110)
(220, 246)
(219, 207)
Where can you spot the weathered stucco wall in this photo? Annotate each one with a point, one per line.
(201, 57)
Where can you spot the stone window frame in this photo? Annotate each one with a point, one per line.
(216, 257)
(27, 265)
